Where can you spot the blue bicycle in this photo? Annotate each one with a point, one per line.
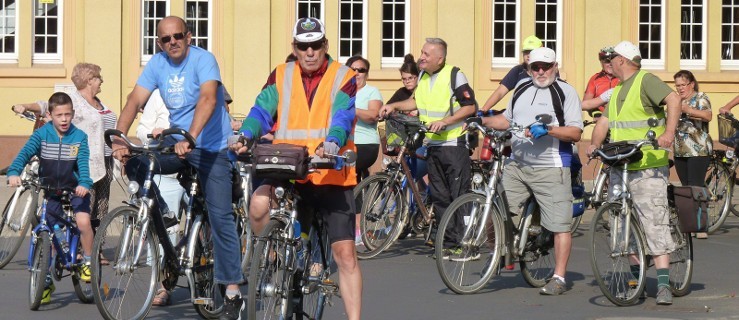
(65, 262)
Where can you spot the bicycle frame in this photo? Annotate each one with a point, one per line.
(72, 234)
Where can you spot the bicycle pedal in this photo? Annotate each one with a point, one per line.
(203, 301)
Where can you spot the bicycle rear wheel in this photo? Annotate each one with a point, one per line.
(14, 225)
(720, 184)
(681, 260)
(203, 259)
(39, 269)
(270, 287)
(382, 207)
(620, 269)
(537, 259)
(124, 288)
(316, 289)
(467, 264)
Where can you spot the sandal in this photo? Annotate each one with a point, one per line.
(161, 299)
(103, 261)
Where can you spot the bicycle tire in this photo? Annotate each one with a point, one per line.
(122, 292)
(382, 211)
(270, 282)
(39, 269)
(537, 259)
(720, 184)
(82, 289)
(575, 223)
(13, 231)
(315, 286)
(470, 268)
(681, 260)
(201, 238)
(611, 267)
(246, 238)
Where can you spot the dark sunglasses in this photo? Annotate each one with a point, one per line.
(360, 70)
(606, 60)
(541, 66)
(303, 46)
(176, 36)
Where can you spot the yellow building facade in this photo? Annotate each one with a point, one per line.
(44, 39)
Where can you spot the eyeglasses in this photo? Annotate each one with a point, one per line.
(360, 70)
(176, 36)
(537, 66)
(606, 60)
(303, 46)
(682, 85)
(409, 79)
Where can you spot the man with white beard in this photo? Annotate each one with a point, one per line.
(542, 155)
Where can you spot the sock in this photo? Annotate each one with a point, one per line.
(86, 259)
(561, 278)
(634, 270)
(232, 293)
(663, 277)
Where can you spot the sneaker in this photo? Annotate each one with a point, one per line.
(664, 296)
(232, 308)
(555, 287)
(46, 296)
(449, 253)
(85, 273)
(466, 255)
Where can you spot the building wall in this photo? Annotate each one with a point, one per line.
(251, 37)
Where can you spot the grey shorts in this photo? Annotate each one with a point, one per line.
(649, 193)
(551, 187)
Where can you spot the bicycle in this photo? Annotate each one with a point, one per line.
(721, 175)
(618, 242)
(21, 211)
(489, 230)
(284, 278)
(66, 252)
(125, 287)
(599, 192)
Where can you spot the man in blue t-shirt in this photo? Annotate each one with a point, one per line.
(189, 81)
(515, 75)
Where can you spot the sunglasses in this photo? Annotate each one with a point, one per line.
(360, 70)
(606, 60)
(303, 46)
(541, 66)
(176, 36)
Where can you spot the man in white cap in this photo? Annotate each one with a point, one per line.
(638, 97)
(542, 156)
(311, 101)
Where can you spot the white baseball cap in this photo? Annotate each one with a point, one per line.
(629, 51)
(308, 30)
(542, 54)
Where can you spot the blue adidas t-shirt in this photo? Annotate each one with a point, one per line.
(179, 86)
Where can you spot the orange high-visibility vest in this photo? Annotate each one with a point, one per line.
(300, 125)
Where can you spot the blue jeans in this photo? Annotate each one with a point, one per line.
(214, 175)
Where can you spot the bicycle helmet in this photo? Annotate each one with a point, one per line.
(606, 53)
(531, 43)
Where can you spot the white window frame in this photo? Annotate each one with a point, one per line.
(50, 58)
(321, 3)
(209, 19)
(655, 63)
(558, 24)
(503, 62)
(695, 63)
(364, 21)
(394, 62)
(146, 57)
(12, 57)
(729, 64)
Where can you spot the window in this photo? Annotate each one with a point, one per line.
(548, 24)
(352, 28)
(8, 31)
(198, 17)
(730, 34)
(651, 33)
(505, 32)
(47, 32)
(395, 32)
(692, 33)
(310, 8)
(152, 11)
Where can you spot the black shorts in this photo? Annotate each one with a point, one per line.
(54, 205)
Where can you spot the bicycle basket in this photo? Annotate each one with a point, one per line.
(727, 131)
(398, 127)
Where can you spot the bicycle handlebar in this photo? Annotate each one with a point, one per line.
(618, 157)
(156, 146)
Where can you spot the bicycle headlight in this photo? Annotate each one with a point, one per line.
(386, 161)
(279, 192)
(133, 187)
(477, 178)
(729, 153)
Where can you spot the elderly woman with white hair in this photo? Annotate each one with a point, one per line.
(93, 117)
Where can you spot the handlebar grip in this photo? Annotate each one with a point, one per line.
(111, 132)
(181, 132)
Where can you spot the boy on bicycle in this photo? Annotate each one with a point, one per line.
(64, 164)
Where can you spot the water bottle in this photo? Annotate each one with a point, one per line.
(61, 237)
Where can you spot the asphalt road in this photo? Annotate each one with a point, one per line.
(403, 283)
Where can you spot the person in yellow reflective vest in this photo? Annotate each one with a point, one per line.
(310, 102)
(638, 97)
(443, 108)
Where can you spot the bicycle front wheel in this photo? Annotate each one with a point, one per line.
(203, 272)
(681, 260)
(619, 268)
(82, 289)
(537, 259)
(14, 223)
(382, 206)
(316, 288)
(270, 288)
(39, 269)
(720, 185)
(124, 286)
(466, 261)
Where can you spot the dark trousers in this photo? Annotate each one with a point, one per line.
(101, 193)
(692, 170)
(366, 157)
(449, 177)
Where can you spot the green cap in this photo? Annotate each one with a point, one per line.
(531, 43)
